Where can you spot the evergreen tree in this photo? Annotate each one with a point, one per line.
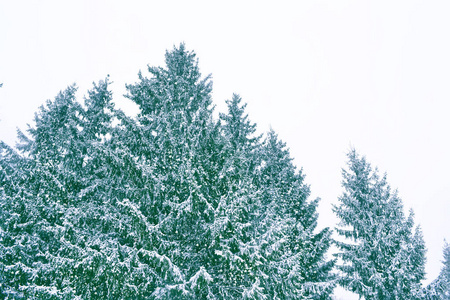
(176, 140)
(440, 287)
(294, 264)
(208, 196)
(382, 257)
(269, 246)
(445, 273)
(236, 259)
(42, 182)
(238, 129)
(100, 232)
(72, 181)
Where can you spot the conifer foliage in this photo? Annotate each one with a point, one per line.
(440, 287)
(383, 256)
(171, 204)
(444, 276)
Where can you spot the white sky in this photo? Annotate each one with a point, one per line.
(326, 75)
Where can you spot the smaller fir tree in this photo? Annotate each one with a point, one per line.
(440, 287)
(294, 264)
(383, 258)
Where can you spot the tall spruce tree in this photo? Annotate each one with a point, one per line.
(207, 203)
(383, 257)
(176, 141)
(101, 233)
(236, 259)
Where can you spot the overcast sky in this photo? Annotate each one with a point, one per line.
(325, 75)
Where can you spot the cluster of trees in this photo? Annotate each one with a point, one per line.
(174, 204)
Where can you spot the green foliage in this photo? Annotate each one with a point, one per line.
(294, 255)
(440, 287)
(382, 257)
(171, 204)
(445, 273)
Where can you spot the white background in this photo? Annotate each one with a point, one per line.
(325, 75)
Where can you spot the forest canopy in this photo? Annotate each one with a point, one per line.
(175, 204)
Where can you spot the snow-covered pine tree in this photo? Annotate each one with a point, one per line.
(168, 205)
(204, 198)
(241, 144)
(445, 273)
(101, 233)
(81, 242)
(44, 183)
(235, 259)
(382, 256)
(238, 129)
(293, 254)
(439, 289)
(20, 248)
(176, 143)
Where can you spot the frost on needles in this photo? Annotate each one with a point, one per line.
(171, 204)
(383, 255)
